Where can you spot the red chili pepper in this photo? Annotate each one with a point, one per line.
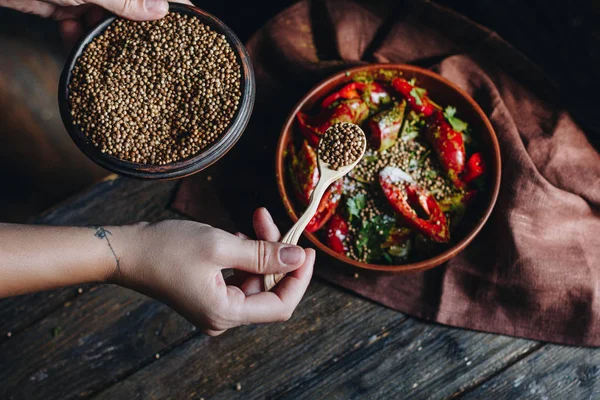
(336, 234)
(375, 93)
(354, 111)
(403, 193)
(448, 145)
(386, 125)
(304, 174)
(327, 207)
(474, 169)
(416, 97)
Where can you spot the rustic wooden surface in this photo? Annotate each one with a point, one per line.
(104, 342)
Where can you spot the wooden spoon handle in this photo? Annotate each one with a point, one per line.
(293, 235)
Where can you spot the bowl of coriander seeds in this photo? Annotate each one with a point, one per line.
(157, 99)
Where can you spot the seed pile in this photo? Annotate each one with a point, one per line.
(155, 92)
(413, 158)
(341, 145)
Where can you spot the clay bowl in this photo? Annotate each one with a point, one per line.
(443, 92)
(180, 168)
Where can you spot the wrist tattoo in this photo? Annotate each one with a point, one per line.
(101, 234)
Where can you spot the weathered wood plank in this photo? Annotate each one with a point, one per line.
(119, 201)
(87, 343)
(110, 332)
(556, 372)
(345, 357)
(263, 359)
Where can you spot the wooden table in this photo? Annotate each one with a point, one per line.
(112, 343)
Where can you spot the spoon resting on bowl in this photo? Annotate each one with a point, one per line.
(340, 149)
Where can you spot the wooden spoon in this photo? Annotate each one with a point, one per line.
(326, 177)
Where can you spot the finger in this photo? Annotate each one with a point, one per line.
(137, 10)
(214, 333)
(70, 31)
(264, 226)
(252, 285)
(258, 256)
(31, 7)
(279, 304)
(241, 235)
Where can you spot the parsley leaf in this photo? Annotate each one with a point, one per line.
(457, 124)
(418, 94)
(355, 204)
(413, 164)
(373, 234)
(388, 258)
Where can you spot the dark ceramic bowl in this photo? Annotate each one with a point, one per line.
(181, 168)
(443, 92)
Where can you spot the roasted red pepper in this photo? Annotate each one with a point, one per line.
(448, 145)
(403, 193)
(416, 97)
(371, 92)
(474, 169)
(304, 174)
(386, 125)
(327, 207)
(335, 236)
(354, 111)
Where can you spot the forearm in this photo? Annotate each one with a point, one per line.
(34, 258)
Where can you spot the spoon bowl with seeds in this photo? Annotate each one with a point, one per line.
(340, 149)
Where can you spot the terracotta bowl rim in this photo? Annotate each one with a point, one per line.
(422, 265)
(181, 168)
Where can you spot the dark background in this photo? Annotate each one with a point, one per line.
(39, 165)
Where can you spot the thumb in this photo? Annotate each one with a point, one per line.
(262, 257)
(137, 10)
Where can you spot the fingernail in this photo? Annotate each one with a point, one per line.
(268, 215)
(291, 255)
(156, 6)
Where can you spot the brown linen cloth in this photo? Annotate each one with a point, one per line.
(534, 270)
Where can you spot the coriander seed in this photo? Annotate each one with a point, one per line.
(342, 144)
(155, 92)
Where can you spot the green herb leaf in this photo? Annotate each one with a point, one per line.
(413, 164)
(457, 124)
(418, 94)
(373, 234)
(355, 204)
(450, 112)
(388, 258)
(412, 82)
(431, 174)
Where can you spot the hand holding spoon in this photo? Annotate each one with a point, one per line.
(341, 148)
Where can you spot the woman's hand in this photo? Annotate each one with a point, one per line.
(180, 262)
(75, 16)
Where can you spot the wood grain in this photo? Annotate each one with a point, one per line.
(381, 357)
(557, 372)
